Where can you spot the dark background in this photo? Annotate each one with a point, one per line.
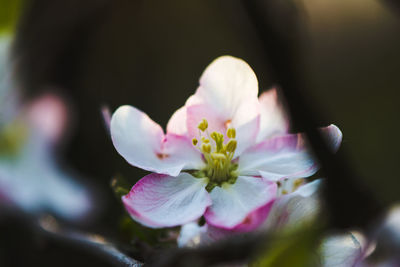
(150, 54)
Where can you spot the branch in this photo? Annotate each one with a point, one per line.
(90, 242)
(277, 23)
(235, 249)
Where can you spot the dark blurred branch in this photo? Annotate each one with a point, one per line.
(236, 249)
(277, 23)
(49, 229)
(95, 244)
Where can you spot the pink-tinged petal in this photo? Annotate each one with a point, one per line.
(164, 201)
(233, 203)
(295, 209)
(283, 156)
(246, 135)
(255, 218)
(333, 136)
(196, 113)
(143, 144)
(181, 151)
(274, 120)
(177, 122)
(226, 98)
(106, 114)
(246, 129)
(226, 83)
(48, 116)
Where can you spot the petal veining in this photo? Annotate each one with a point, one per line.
(231, 204)
(283, 156)
(164, 201)
(143, 144)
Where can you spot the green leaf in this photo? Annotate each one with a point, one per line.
(296, 248)
(132, 230)
(120, 186)
(10, 11)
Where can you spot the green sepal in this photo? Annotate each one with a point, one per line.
(120, 186)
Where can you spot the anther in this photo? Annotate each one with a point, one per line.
(205, 140)
(206, 148)
(231, 133)
(194, 141)
(203, 125)
(218, 156)
(231, 146)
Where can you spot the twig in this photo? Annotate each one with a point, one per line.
(236, 249)
(48, 227)
(90, 242)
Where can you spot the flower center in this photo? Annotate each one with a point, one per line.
(218, 155)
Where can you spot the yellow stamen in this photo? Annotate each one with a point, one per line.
(203, 125)
(194, 141)
(218, 155)
(206, 148)
(231, 146)
(231, 133)
(205, 140)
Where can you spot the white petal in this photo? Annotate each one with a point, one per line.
(341, 250)
(283, 156)
(246, 135)
(143, 144)
(34, 183)
(232, 203)
(177, 122)
(191, 235)
(333, 136)
(274, 121)
(226, 98)
(164, 201)
(226, 83)
(295, 209)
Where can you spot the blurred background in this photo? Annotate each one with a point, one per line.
(150, 54)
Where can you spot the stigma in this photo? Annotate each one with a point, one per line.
(218, 153)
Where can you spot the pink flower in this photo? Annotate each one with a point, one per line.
(221, 157)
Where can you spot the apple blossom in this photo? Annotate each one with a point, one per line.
(290, 212)
(31, 178)
(221, 156)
